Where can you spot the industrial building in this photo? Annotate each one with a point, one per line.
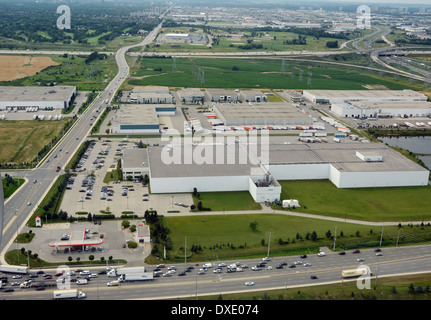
(150, 98)
(20, 98)
(212, 175)
(139, 118)
(339, 96)
(222, 95)
(252, 96)
(191, 95)
(373, 109)
(134, 163)
(266, 114)
(347, 165)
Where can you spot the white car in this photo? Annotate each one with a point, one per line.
(268, 268)
(17, 277)
(255, 268)
(307, 264)
(93, 275)
(360, 259)
(84, 273)
(297, 262)
(218, 270)
(249, 283)
(321, 254)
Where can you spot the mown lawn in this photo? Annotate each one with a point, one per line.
(230, 236)
(229, 201)
(371, 204)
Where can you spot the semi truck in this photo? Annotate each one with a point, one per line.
(135, 277)
(69, 294)
(14, 269)
(120, 271)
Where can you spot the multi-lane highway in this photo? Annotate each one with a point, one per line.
(327, 269)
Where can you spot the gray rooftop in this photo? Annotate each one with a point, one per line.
(61, 93)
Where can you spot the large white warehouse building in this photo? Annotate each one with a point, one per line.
(42, 97)
(339, 96)
(347, 165)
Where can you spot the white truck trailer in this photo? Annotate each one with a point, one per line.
(120, 271)
(13, 269)
(135, 277)
(69, 294)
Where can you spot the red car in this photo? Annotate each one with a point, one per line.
(356, 251)
(59, 274)
(58, 169)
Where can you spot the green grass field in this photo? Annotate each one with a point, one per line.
(220, 201)
(22, 139)
(230, 236)
(74, 72)
(371, 204)
(256, 74)
(387, 289)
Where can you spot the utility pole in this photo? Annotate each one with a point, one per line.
(269, 243)
(335, 238)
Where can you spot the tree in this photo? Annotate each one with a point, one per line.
(200, 205)
(91, 257)
(328, 234)
(195, 191)
(253, 226)
(314, 236)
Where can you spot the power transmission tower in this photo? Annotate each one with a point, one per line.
(310, 74)
(203, 79)
(283, 67)
(174, 65)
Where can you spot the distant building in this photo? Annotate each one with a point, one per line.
(134, 163)
(252, 96)
(337, 96)
(222, 95)
(42, 97)
(191, 95)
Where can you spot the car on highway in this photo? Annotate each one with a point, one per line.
(256, 268)
(341, 253)
(303, 256)
(360, 259)
(297, 262)
(313, 277)
(356, 251)
(307, 264)
(249, 283)
(321, 254)
(379, 254)
(28, 203)
(18, 276)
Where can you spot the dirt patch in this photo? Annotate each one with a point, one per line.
(375, 87)
(16, 67)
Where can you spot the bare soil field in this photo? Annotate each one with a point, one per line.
(16, 67)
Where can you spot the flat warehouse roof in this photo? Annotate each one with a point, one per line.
(135, 158)
(341, 155)
(354, 94)
(392, 104)
(62, 93)
(269, 112)
(159, 168)
(136, 114)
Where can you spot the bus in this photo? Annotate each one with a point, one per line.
(354, 273)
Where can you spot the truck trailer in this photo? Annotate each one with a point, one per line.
(69, 294)
(135, 277)
(14, 269)
(120, 271)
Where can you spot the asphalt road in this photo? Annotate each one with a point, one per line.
(394, 261)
